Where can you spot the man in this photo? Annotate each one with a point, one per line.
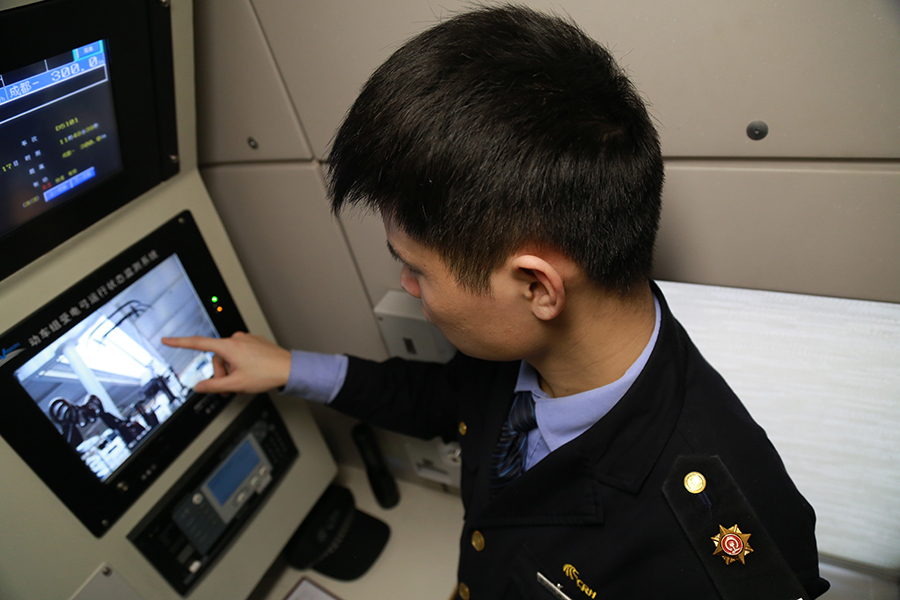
(519, 178)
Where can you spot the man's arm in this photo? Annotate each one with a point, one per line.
(414, 398)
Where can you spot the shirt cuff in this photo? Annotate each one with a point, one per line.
(316, 377)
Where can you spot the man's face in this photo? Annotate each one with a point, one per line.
(487, 325)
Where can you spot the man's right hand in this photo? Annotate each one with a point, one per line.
(243, 363)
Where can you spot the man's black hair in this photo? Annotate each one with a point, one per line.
(504, 128)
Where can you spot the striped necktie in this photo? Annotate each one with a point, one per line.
(508, 460)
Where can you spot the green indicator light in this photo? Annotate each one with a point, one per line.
(215, 299)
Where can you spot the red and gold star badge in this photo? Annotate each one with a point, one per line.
(732, 544)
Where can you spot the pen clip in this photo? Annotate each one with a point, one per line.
(556, 590)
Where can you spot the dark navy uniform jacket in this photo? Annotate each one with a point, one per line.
(608, 515)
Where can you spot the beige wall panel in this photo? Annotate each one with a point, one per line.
(821, 229)
(326, 50)
(240, 94)
(823, 75)
(295, 257)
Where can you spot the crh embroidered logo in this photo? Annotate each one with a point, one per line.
(572, 573)
(9, 353)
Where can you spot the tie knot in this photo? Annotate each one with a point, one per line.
(521, 416)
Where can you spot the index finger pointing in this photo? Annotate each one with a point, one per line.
(194, 342)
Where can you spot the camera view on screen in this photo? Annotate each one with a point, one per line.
(108, 384)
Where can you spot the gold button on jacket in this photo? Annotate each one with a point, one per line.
(463, 591)
(478, 541)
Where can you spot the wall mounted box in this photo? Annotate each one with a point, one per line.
(406, 331)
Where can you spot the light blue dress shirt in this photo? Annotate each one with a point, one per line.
(319, 377)
(316, 377)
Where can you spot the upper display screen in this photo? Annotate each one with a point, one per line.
(57, 132)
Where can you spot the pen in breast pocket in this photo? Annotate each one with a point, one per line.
(556, 590)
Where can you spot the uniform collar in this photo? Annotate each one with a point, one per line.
(627, 442)
(617, 451)
(561, 420)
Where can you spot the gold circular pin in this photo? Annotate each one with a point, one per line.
(694, 482)
(463, 428)
(478, 541)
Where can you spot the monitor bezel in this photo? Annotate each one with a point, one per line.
(139, 48)
(98, 504)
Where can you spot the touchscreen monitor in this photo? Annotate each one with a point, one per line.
(93, 401)
(108, 383)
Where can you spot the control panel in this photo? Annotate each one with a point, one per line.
(195, 521)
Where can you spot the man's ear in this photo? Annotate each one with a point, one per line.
(542, 285)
